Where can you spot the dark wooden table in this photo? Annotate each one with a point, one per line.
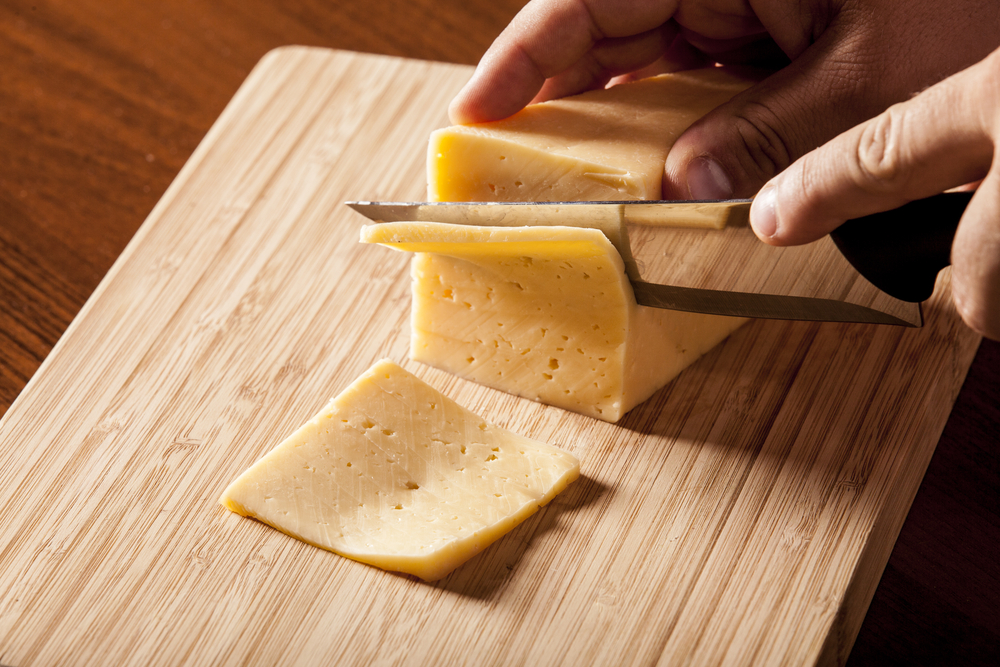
(101, 103)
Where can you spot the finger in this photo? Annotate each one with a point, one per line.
(975, 259)
(679, 56)
(607, 59)
(733, 150)
(853, 71)
(545, 38)
(934, 142)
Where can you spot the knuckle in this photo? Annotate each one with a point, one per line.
(882, 165)
(765, 148)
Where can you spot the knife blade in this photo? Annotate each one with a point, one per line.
(702, 256)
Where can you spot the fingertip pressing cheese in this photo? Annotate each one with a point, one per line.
(395, 474)
(543, 312)
(601, 145)
(550, 314)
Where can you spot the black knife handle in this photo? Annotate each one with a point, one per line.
(901, 251)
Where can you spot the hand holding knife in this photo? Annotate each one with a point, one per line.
(702, 256)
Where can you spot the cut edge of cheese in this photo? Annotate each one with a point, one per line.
(607, 144)
(546, 313)
(401, 510)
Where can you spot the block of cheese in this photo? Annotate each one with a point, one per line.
(543, 312)
(600, 145)
(395, 474)
(549, 314)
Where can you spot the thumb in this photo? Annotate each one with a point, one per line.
(940, 139)
(736, 148)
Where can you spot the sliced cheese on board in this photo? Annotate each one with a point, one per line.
(395, 474)
(543, 312)
(604, 144)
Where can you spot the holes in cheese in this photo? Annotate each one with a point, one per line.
(394, 474)
(518, 298)
(579, 342)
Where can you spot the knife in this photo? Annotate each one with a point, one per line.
(702, 256)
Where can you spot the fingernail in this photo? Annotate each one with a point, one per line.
(763, 217)
(707, 179)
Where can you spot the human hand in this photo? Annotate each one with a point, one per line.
(945, 137)
(850, 59)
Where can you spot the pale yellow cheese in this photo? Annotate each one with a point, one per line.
(395, 474)
(548, 313)
(543, 312)
(604, 144)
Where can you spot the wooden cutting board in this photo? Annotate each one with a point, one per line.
(742, 515)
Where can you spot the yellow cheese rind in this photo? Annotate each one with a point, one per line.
(602, 145)
(559, 325)
(395, 474)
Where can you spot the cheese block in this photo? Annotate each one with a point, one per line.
(543, 312)
(395, 474)
(601, 145)
(549, 314)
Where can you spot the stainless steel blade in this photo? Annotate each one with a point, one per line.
(699, 256)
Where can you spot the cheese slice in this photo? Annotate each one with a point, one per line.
(601, 145)
(395, 474)
(543, 312)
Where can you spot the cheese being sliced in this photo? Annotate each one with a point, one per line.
(543, 312)
(547, 313)
(395, 474)
(601, 145)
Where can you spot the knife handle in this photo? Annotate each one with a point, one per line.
(901, 251)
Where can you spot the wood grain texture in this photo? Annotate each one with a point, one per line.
(742, 515)
(103, 101)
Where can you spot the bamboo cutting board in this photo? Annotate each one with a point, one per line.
(742, 515)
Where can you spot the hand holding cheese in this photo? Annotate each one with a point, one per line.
(943, 138)
(850, 60)
(547, 312)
